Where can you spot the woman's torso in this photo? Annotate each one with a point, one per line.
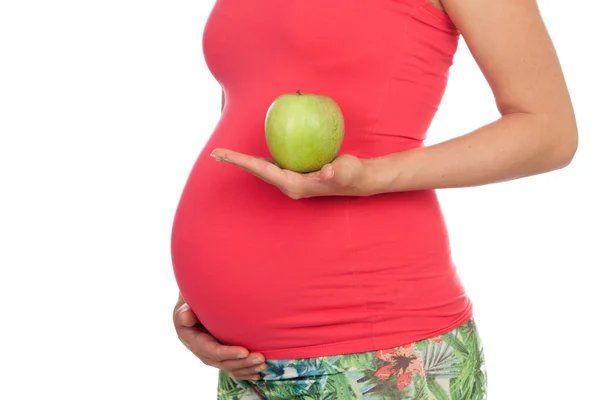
(321, 276)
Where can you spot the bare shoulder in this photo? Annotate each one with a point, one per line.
(438, 4)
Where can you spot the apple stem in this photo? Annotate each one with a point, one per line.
(298, 91)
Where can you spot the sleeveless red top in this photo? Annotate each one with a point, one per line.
(322, 276)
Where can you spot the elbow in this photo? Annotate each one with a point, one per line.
(569, 150)
(565, 144)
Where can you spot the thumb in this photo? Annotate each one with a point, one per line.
(186, 316)
(327, 172)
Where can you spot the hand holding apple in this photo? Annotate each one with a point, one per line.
(342, 177)
(304, 133)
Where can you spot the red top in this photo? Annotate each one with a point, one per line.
(322, 276)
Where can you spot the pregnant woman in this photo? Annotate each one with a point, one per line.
(340, 284)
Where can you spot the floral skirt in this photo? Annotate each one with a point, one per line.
(446, 367)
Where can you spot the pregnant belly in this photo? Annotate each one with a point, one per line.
(270, 273)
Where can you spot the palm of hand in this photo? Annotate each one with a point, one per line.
(338, 178)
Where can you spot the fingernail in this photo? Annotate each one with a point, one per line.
(257, 361)
(216, 157)
(242, 355)
(258, 369)
(183, 308)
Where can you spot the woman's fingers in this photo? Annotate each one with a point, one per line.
(249, 366)
(235, 360)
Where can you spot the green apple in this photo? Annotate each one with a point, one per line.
(304, 131)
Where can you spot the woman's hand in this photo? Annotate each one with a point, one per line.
(235, 360)
(344, 176)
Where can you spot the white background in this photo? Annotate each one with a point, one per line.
(103, 109)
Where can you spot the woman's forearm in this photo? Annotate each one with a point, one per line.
(515, 146)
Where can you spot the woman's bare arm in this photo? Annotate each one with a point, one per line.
(536, 132)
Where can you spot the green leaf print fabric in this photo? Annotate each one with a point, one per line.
(446, 367)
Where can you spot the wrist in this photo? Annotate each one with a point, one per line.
(377, 176)
(390, 173)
